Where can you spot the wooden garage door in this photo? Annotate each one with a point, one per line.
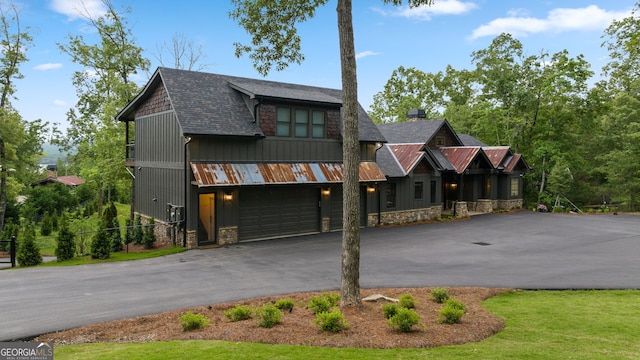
(270, 212)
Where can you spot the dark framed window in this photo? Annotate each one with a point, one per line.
(391, 195)
(302, 123)
(434, 191)
(283, 122)
(515, 186)
(440, 141)
(417, 190)
(318, 124)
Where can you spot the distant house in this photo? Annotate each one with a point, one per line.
(431, 169)
(52, 177)
(239, 159)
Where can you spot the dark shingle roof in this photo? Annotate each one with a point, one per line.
(411, 131)
(468, 140)
(213, 104)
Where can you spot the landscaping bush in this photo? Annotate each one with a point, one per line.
(439, 295)
(101, 245)
(284, 304)
(128, 234)
(237, 313)
(46, 226)
(334, 299)
(66, 248)
(149, 237)
(332, 321)
(268, 316)
(28, 250)
(407, 301)
(404, 319)
(389, 310)
(452, 312)
(190, 321)
(319, 304)
(138, 231)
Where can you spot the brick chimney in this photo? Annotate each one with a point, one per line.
(52, 171)
(416, 115)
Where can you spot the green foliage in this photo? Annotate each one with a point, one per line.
(268, 316)
(389, 310)
(9, 231)
(51, 199)
(332, 321)
(285, 304)
(46, 227)
(238, 313)
(439, 295)
(319, 304)
(101, 245)
(66, 248)
(407, 301)
(138, 230)
(128, 235)
(28, 250)
(452, 312)
(110, 218)
(149, 237)
(190, 321)
(404, 319)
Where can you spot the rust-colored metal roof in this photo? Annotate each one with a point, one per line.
(407, 155)
(216, 174)
(69, 180)
(497, 155)
(513, 162)
(460, 156)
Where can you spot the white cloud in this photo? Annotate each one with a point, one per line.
(558, 20)
(443, 7)
(48, 66)
(59, 103)
(365, 54)
(77, 9)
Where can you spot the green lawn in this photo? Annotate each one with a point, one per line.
(539, 325)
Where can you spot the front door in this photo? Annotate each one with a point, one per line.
(207, 219)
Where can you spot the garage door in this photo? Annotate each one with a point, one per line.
(270, 212)
(336, 209)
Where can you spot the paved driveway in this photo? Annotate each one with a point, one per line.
(524, 250)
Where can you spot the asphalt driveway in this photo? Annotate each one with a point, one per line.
(524, 250)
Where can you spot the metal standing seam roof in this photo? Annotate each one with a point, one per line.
(460, 156)
(407, 155)
(497, 155)
(237, 174)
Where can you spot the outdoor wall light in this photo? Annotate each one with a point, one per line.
(228, 196)
(326, 192)
(371, 189)
(454, 186)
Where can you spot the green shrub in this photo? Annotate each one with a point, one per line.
(128, 234)
(268, 316)
(284, 304)
(439, 295)
(138, 231)
(190, 321)
(149, 237)
(239, 312)
(100, 245)
(66, 248)
(319, 304)
(46, 226)
(389, 310)
(28, 250)
(404, 319)
(407, 301)
(334, 299)
(332, 321)
(452, 312)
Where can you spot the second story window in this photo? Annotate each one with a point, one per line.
(300, 123)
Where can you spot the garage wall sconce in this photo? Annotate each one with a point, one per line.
(326, 192)
(228, 196)
(371, 189)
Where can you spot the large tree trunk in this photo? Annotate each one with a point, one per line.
(350, 287)
(3, 184)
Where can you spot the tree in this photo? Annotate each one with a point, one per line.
(621, 39)
(101, 244)
(66, 248)
(272, 26)
(183, 52)
(28, 250)
(149, 236)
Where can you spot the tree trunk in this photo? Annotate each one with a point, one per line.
(3, 184)
(350, 285)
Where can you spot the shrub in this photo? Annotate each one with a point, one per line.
(268, 316)
(331, 321)
(66, 248)
(319, 304)
(284, 304)
(100, 245)
(334, 299)
(28, 250)
(46, 227)
(439, 295)
(138, 232)
(149, 237)
(407, 301)
(389, 310)
(128, 234)
(452, 312)
(404, 319)
(237, 313)
(190, 321)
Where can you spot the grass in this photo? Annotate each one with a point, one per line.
(117, 256)
(539, 325)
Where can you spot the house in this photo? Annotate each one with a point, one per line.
(219, 159)
(52, 178)
(431, 169)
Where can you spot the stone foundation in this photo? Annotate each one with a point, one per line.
(406, 216)
(484, 206)
(461, 210)
(326, 224)
(510, 204)
(228, 235)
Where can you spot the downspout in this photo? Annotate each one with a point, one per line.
(187, 140)
(255, 109)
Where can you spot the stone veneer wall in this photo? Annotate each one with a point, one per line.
(510, 204)
(228, 235)
(486, 206)
(405, 216)
(462, 211)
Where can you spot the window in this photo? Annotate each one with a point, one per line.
(417, 190)
(515, 186)
(318, 124)
(434, 191)
(391, 195)
(301, 123)
(283, 119)
(440, 141)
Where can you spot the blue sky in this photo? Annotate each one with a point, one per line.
(386, 38)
